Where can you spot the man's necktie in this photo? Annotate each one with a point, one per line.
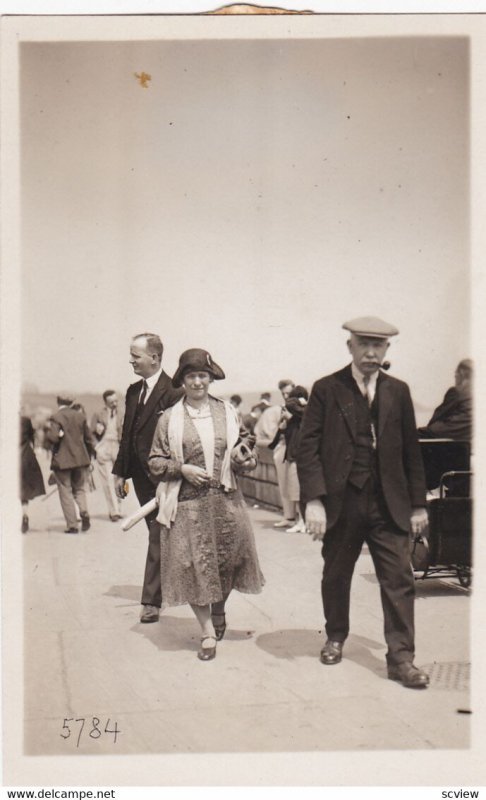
(141, 401)
(143, 395)
(366, 383)
(112, 413)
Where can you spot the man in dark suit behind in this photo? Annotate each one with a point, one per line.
(362, 480)
(145, 401)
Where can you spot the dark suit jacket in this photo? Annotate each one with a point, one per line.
(327, 446)
(453, 418)
(75, 446)
(162, 396)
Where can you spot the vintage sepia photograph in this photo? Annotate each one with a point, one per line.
(240, 356)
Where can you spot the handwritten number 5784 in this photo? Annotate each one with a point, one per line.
(95, 731)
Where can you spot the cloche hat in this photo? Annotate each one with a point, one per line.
(199, 361)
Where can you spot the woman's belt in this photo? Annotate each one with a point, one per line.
(190, 492)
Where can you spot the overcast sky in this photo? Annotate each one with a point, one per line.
(254, 197)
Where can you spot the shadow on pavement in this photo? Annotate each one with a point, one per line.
(129, 592)
(295, 643)
(179, 633)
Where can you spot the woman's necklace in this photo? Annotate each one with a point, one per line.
(198, 411)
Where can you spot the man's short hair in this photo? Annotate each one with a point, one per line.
(465, 367)
(154, 343)
(299, 392)
(108, 394)
(236, 399)
(285, 382)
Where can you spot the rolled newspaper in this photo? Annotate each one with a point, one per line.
(142, 512)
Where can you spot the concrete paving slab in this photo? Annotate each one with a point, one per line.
(87, 655)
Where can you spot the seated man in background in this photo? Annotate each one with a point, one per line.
(453, 418)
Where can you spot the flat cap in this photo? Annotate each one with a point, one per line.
(371, 326)
(65, 398)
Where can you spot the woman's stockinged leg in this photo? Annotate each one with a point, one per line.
(203, 615)
(208, 636)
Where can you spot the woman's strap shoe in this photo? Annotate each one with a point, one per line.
(207, 653)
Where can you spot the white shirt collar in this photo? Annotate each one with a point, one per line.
(359, 378)
(153, 379)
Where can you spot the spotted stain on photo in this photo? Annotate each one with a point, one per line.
(143, 78)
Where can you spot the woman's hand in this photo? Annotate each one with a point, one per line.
(249, 465)
(195, 475)
(241, 467)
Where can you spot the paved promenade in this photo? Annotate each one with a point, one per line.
(87, 656)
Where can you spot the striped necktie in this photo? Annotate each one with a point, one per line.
(143, 395)
(366, 383)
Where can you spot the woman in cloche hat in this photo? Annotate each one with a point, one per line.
(207, 546)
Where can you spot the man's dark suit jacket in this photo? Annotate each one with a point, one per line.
(163, 396)
(327, 446)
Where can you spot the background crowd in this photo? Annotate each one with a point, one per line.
(275, 425)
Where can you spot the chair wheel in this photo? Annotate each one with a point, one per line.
(464, 576)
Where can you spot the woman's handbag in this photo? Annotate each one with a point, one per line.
(243, 457)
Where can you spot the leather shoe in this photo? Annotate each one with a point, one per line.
(150, 614)
(332, 652)
(409, 675)
(85, 522)
(71, 530)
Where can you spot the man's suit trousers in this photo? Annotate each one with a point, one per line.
(71, 484)
(145, 491)
(364, 518)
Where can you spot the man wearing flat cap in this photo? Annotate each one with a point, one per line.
(362, 480)
(145, 401)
